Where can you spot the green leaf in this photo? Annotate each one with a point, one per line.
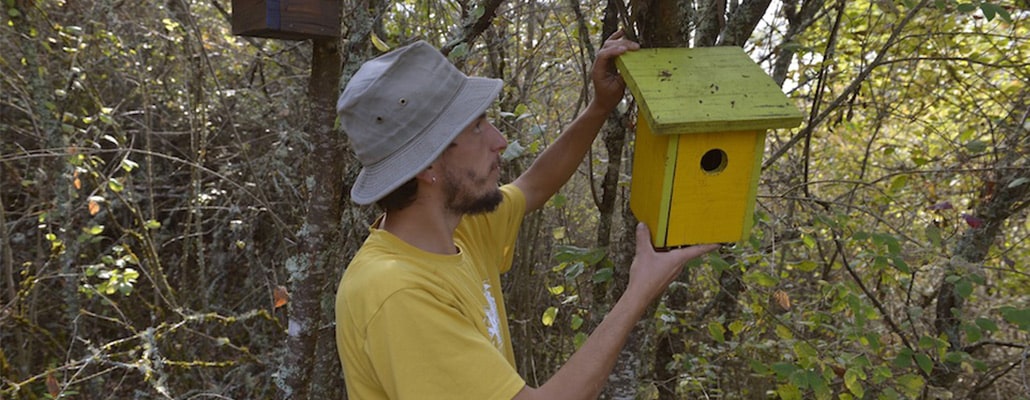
(129, 165)
(783, 370)
(513, 151)
(114, 185)
(900, 264)
(549, 315)
(807, 355)
(565, 253)
(577, 321)
(903, 359)
(925, 363)
(579, 339)
(807, 266)
(736, 327)
(760, 368)
(966, 7)
(976, 146)
(898, 183)
(911, 385)
(788, 392)
(852, 382)
(94, 230)
(1018, 181)
(717, 263)
(151, 224)
(933, 234)
(987, 324)
(1019, 317)
(964, 288)
(808, 241)
(458, 51)
(603, 275)
(760, 278)
(477, 13)
(716, 331)
(973, 332)
(784, 332)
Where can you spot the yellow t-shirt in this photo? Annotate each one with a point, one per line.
(417, 325)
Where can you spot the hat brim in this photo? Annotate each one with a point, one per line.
(377, 180)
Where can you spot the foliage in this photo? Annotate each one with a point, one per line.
(154, 176)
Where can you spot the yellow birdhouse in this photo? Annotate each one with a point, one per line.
(701, 123)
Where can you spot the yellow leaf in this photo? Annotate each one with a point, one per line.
(549, 315)
(379, 43)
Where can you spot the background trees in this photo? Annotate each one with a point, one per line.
(158, 177)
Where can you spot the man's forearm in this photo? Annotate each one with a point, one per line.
(587, 371)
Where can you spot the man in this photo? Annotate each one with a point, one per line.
(419, 310)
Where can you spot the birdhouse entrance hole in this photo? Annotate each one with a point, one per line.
(713, 161)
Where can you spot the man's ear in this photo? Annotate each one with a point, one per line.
(427, 176)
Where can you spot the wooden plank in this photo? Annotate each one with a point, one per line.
(709, 89)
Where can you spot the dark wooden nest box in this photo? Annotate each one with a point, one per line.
(286, 19)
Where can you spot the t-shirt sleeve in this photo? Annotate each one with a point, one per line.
(422, 348)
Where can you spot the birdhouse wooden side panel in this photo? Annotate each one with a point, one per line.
(654, 161)
(713, 193)
(286, 19)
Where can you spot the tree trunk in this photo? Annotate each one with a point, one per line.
(308, 269)
(1007, 193)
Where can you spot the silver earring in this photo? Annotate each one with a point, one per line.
(434, 179)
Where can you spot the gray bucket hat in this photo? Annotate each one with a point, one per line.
(402, 109)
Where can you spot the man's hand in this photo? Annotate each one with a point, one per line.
(608, 84)
(653, 271)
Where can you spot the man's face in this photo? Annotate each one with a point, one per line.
(471, 168)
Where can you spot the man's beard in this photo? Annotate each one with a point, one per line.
(468, 205)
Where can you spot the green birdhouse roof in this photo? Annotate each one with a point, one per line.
(707, 89)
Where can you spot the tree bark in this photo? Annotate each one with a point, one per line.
(1008, 193)
(319, 233)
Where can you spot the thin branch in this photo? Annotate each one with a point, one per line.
(853, 86)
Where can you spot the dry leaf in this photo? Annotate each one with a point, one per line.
(52, 386)
(280, 296)
(779, 302)
(94, 207)
(76, 182)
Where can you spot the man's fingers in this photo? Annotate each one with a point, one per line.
(692, 252)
